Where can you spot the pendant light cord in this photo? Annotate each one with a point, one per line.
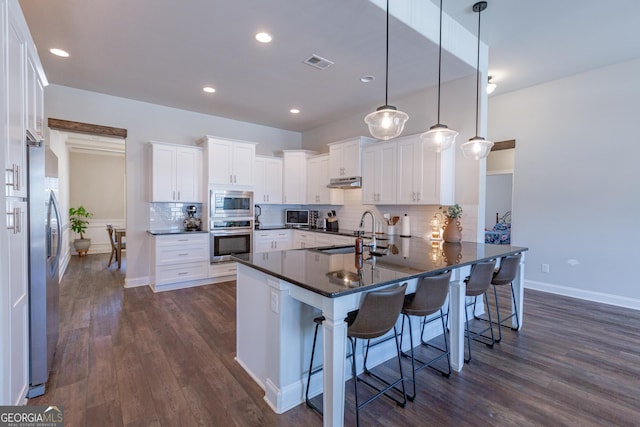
(478, 72)
(439, 60)
(386, 85)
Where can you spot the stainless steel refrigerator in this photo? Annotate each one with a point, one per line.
(44, 254)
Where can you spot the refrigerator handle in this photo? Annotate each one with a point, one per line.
(56, 212)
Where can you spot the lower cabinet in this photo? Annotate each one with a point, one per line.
(179, 261)
(272, 240)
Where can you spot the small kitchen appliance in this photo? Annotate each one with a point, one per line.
(191, 223)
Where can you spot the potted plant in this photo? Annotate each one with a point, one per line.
(452, 229)
(79, 221)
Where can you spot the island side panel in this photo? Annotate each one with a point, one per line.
(252, 316)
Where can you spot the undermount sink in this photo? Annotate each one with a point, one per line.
(332, 250)
(338, 249)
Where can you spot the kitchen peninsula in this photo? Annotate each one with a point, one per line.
(278, 296)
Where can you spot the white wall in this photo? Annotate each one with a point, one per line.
(145, 122)
(576, 200)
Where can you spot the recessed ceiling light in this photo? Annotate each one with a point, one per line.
(263, 37)
(59, 52)
(208, 89)
(367, 79)
(294, 111)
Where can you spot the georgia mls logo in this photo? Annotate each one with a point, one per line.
(31, 416)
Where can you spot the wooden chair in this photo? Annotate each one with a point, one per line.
(114, 245)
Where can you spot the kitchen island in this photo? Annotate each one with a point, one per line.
(279, 295)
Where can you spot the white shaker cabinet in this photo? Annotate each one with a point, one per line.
(317, 180)
(230, 162)
(176, 173)
(424, 176)
(272, 240)
(379, 173)
(15, 55)
(179, 260)
(294, 183)
(34, 99)
(268, 174)
(345, 157)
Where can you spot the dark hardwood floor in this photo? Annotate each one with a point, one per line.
(131, 357)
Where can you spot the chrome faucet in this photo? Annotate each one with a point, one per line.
(373, 228)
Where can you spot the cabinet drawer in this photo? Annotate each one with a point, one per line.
(222, 269)
(183, 239)
(181, 273)
(181, 254)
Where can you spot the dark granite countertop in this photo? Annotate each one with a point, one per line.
(345, 232)
(336, 274)
(174, 231)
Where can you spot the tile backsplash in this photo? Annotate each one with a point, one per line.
(170, 216)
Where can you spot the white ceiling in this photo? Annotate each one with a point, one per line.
(165, 51)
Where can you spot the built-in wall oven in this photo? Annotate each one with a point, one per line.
(230, 236)
(225, 203)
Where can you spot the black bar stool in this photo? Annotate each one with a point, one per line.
(378, 314)
(505, 275)
(431, 294)
(477, 284)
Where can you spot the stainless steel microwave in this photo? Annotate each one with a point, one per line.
(231, 203)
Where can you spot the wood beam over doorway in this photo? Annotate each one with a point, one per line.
(504, 145)
(71, 126)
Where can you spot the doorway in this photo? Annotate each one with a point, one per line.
(499, 194)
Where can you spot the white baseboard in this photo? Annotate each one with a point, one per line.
(132, 282)
(583, 294)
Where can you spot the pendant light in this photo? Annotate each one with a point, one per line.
(439, 137)
(477, 147)
(386, 122)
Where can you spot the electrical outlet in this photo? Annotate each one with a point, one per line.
(274, 302)
(545, 268)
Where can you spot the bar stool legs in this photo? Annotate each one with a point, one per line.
(318, 321)
(444, 351)
(478, 335)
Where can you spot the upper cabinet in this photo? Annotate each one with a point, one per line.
(15, 48)
(268, 176)
(379, 173)
(34, 100)
(294, 183)
(230, 162)
(424, 176)
(344, 157)
(23, 97)
(317, 180)
(176, 173)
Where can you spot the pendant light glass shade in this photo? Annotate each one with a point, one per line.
(386, 122)
(477, 147)
(439, 137)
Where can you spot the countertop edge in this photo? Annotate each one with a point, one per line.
(169, 232)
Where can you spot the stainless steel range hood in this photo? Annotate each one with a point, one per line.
(350, 182)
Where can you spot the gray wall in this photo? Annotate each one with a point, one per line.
(576, 200)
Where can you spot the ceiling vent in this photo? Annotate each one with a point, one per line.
(318, 62)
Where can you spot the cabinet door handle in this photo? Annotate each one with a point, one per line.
(230, 179)
(267, 197)
(15, 175)
(16, 220)
(235, 179)
(183, 273)
(275, 245)
(183, 254)
(178, 195)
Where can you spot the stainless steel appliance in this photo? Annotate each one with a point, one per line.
(226, 203)
(296, 217)
(230, 236)
(44, 254)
